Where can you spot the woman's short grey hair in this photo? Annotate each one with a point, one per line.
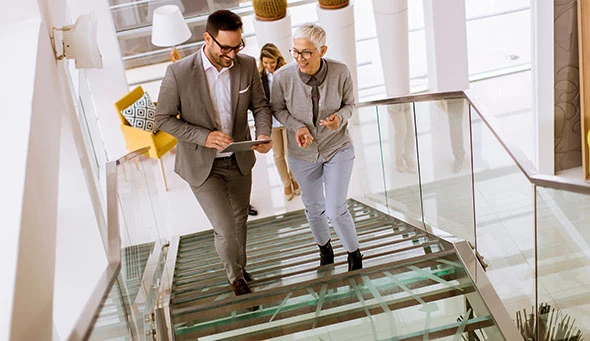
(312, 32)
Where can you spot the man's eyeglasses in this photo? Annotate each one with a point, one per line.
(304, 54)
(228, 49)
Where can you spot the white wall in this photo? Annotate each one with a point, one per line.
(543, 72)
(16, 119)
(31, 118)
(35, 96)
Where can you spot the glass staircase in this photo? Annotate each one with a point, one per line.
(417, 283)
(413, 286)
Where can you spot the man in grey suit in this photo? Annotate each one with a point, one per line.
(203, 102)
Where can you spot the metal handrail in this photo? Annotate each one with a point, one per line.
(425, 97)
(85, 323)
(519, 158)
(532, 174)
(486, 290)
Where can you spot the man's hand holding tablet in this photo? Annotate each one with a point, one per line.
(262, 146)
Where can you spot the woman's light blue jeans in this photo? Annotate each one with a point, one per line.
(324, 188)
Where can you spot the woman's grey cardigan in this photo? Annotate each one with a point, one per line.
(292, 106)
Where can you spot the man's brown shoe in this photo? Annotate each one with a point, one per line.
(241, 287)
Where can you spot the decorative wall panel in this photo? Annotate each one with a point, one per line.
(584, 55)
(568, 148)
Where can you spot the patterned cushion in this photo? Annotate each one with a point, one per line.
(141, 114)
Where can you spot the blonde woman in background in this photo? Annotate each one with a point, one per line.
(271, 60)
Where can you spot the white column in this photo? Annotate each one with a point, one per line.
(448, 70)
(543, 75)
(341, 37)
(391, 21)
(29, 173)
(277, 32)
(446, 45)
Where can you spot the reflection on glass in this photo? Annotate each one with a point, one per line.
(137, 194)
(563, 251)
(112, 323)
(404, 142)
(368, 168)
(91, 127)
(443, 136)
(131, 14)
(396, 124)
(137, 43)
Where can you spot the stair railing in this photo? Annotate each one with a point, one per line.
(469, 181)
(83, 328)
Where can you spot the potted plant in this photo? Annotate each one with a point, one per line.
(553, 325)
(270, 10)
(333, 4)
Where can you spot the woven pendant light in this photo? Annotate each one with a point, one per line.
(333, 4)
(270, 10)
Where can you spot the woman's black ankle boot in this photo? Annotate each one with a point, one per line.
(355, 260)
(326, 254)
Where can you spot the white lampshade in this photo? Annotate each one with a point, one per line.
(169, 27)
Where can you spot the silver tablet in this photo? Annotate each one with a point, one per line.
(242, 146)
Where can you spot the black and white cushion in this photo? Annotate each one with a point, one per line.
(141, 114)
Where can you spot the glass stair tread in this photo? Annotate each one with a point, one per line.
(444, 273)
(273, 258)
(294, 278)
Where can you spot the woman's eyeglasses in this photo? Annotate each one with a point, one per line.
(228, 49)
(304, 54)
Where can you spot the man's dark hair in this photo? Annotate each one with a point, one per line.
(223, 20)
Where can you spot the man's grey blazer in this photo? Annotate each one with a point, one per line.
(185, 110)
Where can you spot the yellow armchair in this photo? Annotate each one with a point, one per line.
(160, 143)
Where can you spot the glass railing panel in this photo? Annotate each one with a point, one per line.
(140, 46)
(398, 147)
(115, 319)
(563, 251)
(505, 220)
(142, 235)
(369, 183)
(140, 13)
(80, 257)
(112, 322)
(443, 137)
(91, 131)
(127, 311)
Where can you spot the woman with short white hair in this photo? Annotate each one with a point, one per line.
(314, 98)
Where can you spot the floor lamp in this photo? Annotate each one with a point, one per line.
(169, 29)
